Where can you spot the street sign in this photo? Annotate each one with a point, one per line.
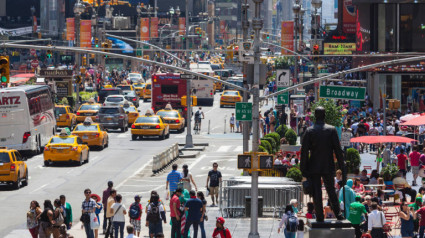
(244, 161)
(340, 92)
(186, 76)
(283, 98)
(266, 162)
(345, 139)
(283, 77)
(243, 111)
(34, 63)
(33, 52)
(139, 52)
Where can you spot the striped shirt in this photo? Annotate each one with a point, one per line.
(88, 206)
(174, 178)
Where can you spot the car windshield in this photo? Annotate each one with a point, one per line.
(107, 92)
(147, 120)
(148, 86)
(86, 128)
(231, 93)
(125, 87)
(64, 140)
(114, 99)
(90, 107)
(60, 110)
(168, 114)
(108, 111)
(138, 85)
(4, 158)
(134, 75)
(130, 93)
(130, 109)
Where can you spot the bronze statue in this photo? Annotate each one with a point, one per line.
(319, 144)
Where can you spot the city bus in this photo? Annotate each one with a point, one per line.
(27, 117)
(203, 89)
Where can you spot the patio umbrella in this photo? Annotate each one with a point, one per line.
(418, 121)
(381, 139)
(409, 117)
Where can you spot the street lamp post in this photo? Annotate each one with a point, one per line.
(78, 10)
(139, 10)
(245, 27)
(316, 4)
(296, 9)
(189, 140)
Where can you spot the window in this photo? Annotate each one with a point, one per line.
(147, 120)
(86, 128)
(39, 102)
(230, 93)
(62, 140)
(18, 156)
(168, 114)
(125, 87)
(4, 158)
(114, 99)
(60, 111)
(169, 89)
(130, 109)
(90, 107)
(148, 86)
(79, 141)
(108, 111)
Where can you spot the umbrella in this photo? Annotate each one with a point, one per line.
(409, 117)
(381, 139)
(418, 121)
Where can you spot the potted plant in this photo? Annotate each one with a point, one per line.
(389, 172)
(295, 174)
(352, 160)
(291, 137)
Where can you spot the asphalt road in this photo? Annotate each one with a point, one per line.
(123, 163)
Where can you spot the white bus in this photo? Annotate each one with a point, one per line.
(203, 88)
(27, 119)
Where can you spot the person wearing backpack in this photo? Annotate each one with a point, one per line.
(290, 220)
(199, 115)
(135, 214)
(155, 213)
(220, 231)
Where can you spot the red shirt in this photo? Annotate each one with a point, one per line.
(220, 233)
(422, 212)
(401, 162)
(309, 215)
(414, 158)
(141, 210)
(174, 200)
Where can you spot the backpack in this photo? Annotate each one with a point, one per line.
(197, 114)
(134, 211)
(291, 223)
(153, 214)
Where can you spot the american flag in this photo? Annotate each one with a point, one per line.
(183, 222)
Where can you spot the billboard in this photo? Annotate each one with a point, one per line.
(182, 26)
(363, 29)
(349, 17)
(287, 36)
(339, 48)
(222, 27)
(70, 29)
(154, 27)
(144, 29)
(85, 33)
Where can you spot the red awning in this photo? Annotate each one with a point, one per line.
(21, 78)
(418, 121)
(381, 139)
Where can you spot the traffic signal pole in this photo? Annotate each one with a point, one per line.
(245, 27)
(189, 140)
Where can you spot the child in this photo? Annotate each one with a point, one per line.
(232, 123)
(300, 231)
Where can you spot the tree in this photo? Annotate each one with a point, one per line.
(333, 112)
(283, 62)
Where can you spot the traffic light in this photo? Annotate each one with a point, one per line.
(4, 69)
(96, 42)
(198, 31)
(316, 52)
(84, 63)
(230, 53)
(267, 36)
(109, 42)
(49, 52)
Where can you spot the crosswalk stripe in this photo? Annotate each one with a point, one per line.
(224, 148)
(238, 149)
(122, 136)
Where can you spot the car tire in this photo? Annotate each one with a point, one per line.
(133, 137)
(168, 135)
(17, 184)
(145, 100)
(221, 106)
(163, 136)
(107, 143)
(81, 160)
(102, 146)
(122, 129)
(88, 156)
(126, 127)
(25, 182)
(46, 163)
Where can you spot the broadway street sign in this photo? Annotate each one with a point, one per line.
(339, 92)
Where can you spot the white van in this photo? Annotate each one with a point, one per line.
(203, 88)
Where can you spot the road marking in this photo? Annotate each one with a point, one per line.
(224, 148)
(180, 136)
(238, 149)
(41, 187)
(122, 136)
(138, 171)
(138, 185)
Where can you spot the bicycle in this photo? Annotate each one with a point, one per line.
(197, 127)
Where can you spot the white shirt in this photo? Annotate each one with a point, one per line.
(293, 161)
(285, 220)
(376, 219)
(277, 162)
(421, 129)
(119, 213)
(131, 236)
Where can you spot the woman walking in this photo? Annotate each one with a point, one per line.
(204, 217)
(407, 217)
(290, 220)
(46, 220)
(32, 220)
(187, 179)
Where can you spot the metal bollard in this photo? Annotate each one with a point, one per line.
(225, 124)
(209, 125)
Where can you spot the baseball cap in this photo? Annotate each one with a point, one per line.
(137, 197)
(220, 220)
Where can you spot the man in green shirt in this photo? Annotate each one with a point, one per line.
(67, 211)
(416, 206)
(356, 212)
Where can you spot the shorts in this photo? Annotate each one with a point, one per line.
(404, 172)
(406, 233)
(213, 190)
(415, 169)
(232, 125)
(155, 228)
(136, 224)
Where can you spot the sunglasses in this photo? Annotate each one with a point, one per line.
(87, 192)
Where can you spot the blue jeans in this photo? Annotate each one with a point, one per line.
(119, 225)
(195, 228)
(421, 231)
(89, 231)
(201, 225)
(289, 234)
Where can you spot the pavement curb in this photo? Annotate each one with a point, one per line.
(190, 156)
(197, 144)
(193, 149)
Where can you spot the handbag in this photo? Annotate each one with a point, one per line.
(59, 220)
(94, 222)
(85, 218)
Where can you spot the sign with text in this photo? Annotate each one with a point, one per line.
(345, 139)
(244, 161)
(283, 77)
(340, 92)
(85, 33)
(154, 27)
(243, 111)
(144, 29)
(54, 73)
(339, 48)
(63, 89)
(282, 98)
(70, 29)
(266, 162)
(287, 37)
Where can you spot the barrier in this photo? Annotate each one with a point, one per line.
(165, 158)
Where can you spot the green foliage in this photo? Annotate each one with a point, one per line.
(267, 146)
(389, 172)
(261, 149)
(64, 101)
(276, 138)
(281, 130)
(333, 112)
(85, 96)
(283, 62)
(352, 162)
(295, 174)
(272, 143)
(291, 137)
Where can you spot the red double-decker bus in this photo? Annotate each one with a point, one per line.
(168, 88)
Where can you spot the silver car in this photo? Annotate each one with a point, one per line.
(115, 100)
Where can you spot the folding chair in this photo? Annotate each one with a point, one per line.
(366, 167)
(389, 216)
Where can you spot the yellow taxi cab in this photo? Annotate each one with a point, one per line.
(150, 125)
(172, 118)
(218, 85)
(125, 87)
(13, 169)
(138, 87)
(64, 116)
(108, 86)
(230, 98)
(132, 112)
(92, 133)
(89, 109)
(66, 148)
(147, 93)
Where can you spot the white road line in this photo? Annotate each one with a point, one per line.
(122, 136)
(224, 148)
(138, 185)
(180, 136)
(238, 149)
(41, 187)
(138, 171)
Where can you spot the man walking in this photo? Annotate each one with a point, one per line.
(376, 222)
(232, 121)
(175, 214)
(356, 211)
(67, 211)
(109, 214)
(173, 178)
(194, 207)
(106, 194)
(88, 206)
(414, 162)
(214, 179)
(135, 214)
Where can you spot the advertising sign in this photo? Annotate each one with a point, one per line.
(85, 33)
(182, 26)
(63, 89)
(287, 36)
(222, 27)
(349, 17)
(154, 27)
(339, 48)
(70, 29)
(144, 29)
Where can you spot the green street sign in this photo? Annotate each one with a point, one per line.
(243, 111)
(340, 92)
(138, 52)
(282, 98)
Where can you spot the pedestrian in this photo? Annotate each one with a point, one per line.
(66, 207)
(175, 214)
(32, 218)
(58, 218)
(204, 217)
(135, 214)
(194, 207)
(119, 211)
(376, 222)
(356, 214)
(232, 121)
(401, 184)
(187, 179)
(220, 231)
(173, 178)
(407, 217)
(46, 220)
(155, 213)
(99, 207)
(414, 162)
(310, 211)
(106, 194)
(131, 232)
(290, 220)
(109, 214)
(401, 162)
(350, 196)
(88, 207)
(214, 179)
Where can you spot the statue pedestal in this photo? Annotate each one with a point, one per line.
(328, 228)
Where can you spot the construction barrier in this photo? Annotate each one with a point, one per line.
(165, 158)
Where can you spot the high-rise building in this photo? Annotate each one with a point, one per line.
(52, 17)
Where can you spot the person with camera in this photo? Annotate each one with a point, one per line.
(407, 217)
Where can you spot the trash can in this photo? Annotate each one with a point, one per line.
(248, 206)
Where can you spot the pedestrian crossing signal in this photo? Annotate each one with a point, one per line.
(244, 162)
